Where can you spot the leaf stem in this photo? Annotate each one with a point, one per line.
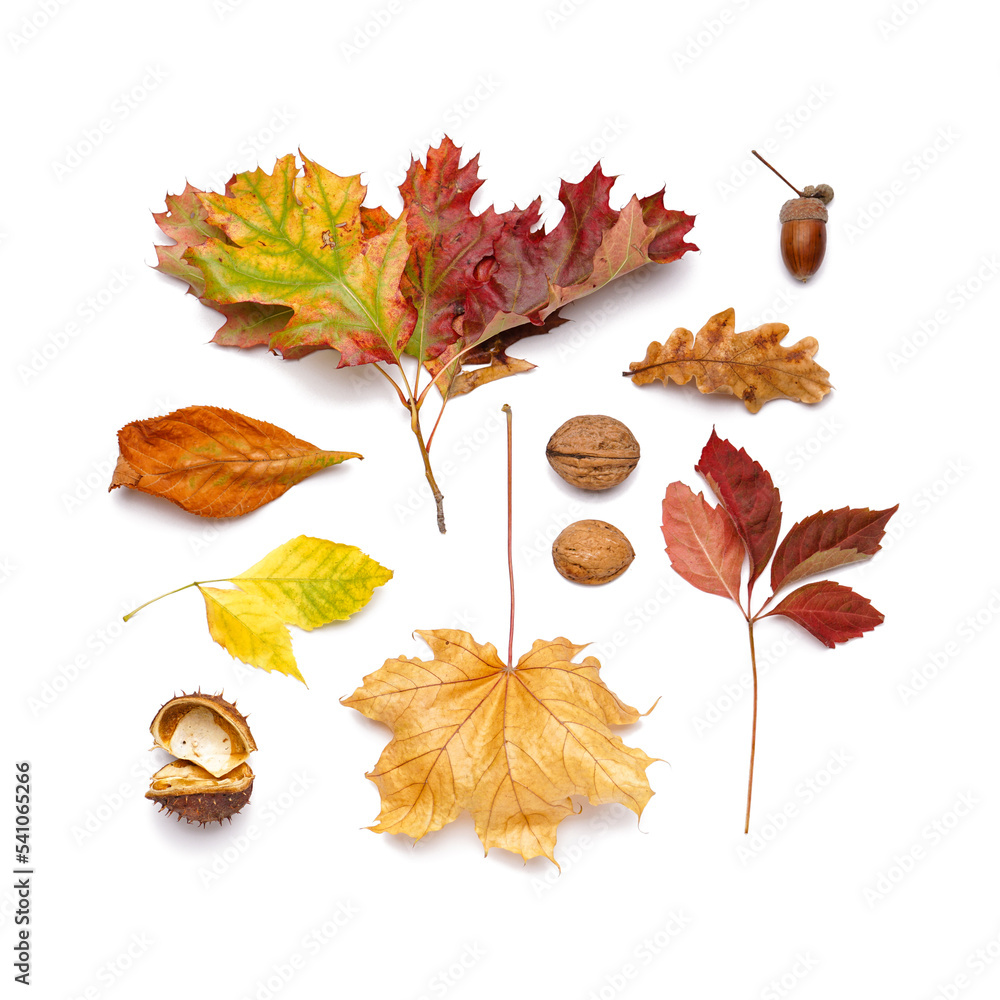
(430, 439)
(414, 408)
(753, 735)
(510, 530)
(195, 583)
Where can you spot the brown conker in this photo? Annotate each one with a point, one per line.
(593, 452)
(591, 552)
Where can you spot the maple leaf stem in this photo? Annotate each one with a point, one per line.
(753, 733)
(414, 408)
(195, 583)
(510, 529)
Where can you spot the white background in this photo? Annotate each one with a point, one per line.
(891, 103)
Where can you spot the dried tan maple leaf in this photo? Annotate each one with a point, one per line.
(509, 744)
(752, 365)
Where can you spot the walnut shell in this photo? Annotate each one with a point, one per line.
(593, 452)
(591, 552)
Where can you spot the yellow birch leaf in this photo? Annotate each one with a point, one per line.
(249, 631)
(312, 581)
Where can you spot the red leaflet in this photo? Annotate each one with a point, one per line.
(448, 244)
(749, 497)
(702, 543)
(827, 539)
(831, 612)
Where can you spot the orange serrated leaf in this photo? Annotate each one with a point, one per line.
(752, 365)
(512, 746)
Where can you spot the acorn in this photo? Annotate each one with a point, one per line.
(803, 226)
(211, 781)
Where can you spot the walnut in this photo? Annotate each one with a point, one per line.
(591, 552)
(593, 452)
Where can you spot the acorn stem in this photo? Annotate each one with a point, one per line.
(769, 167)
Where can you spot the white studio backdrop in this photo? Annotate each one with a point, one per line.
(871, 868)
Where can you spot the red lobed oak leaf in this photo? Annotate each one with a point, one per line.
(297, 263)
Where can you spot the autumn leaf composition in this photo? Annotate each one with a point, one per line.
(753, 365)
(295, 262)
(509, 742)
(306, 582)
(708, 547)
(215, 462)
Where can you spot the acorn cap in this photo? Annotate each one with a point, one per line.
(803, 208)
(204, 729)
(187, 790)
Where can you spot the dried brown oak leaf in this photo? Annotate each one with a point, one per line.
(510, 745)
(215, 462)
(752, 365)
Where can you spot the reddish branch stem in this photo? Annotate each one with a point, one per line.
(753, 735)
(510, 530)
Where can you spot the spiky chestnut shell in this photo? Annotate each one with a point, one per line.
(189, 791)
(211, 781)
(205, 729)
